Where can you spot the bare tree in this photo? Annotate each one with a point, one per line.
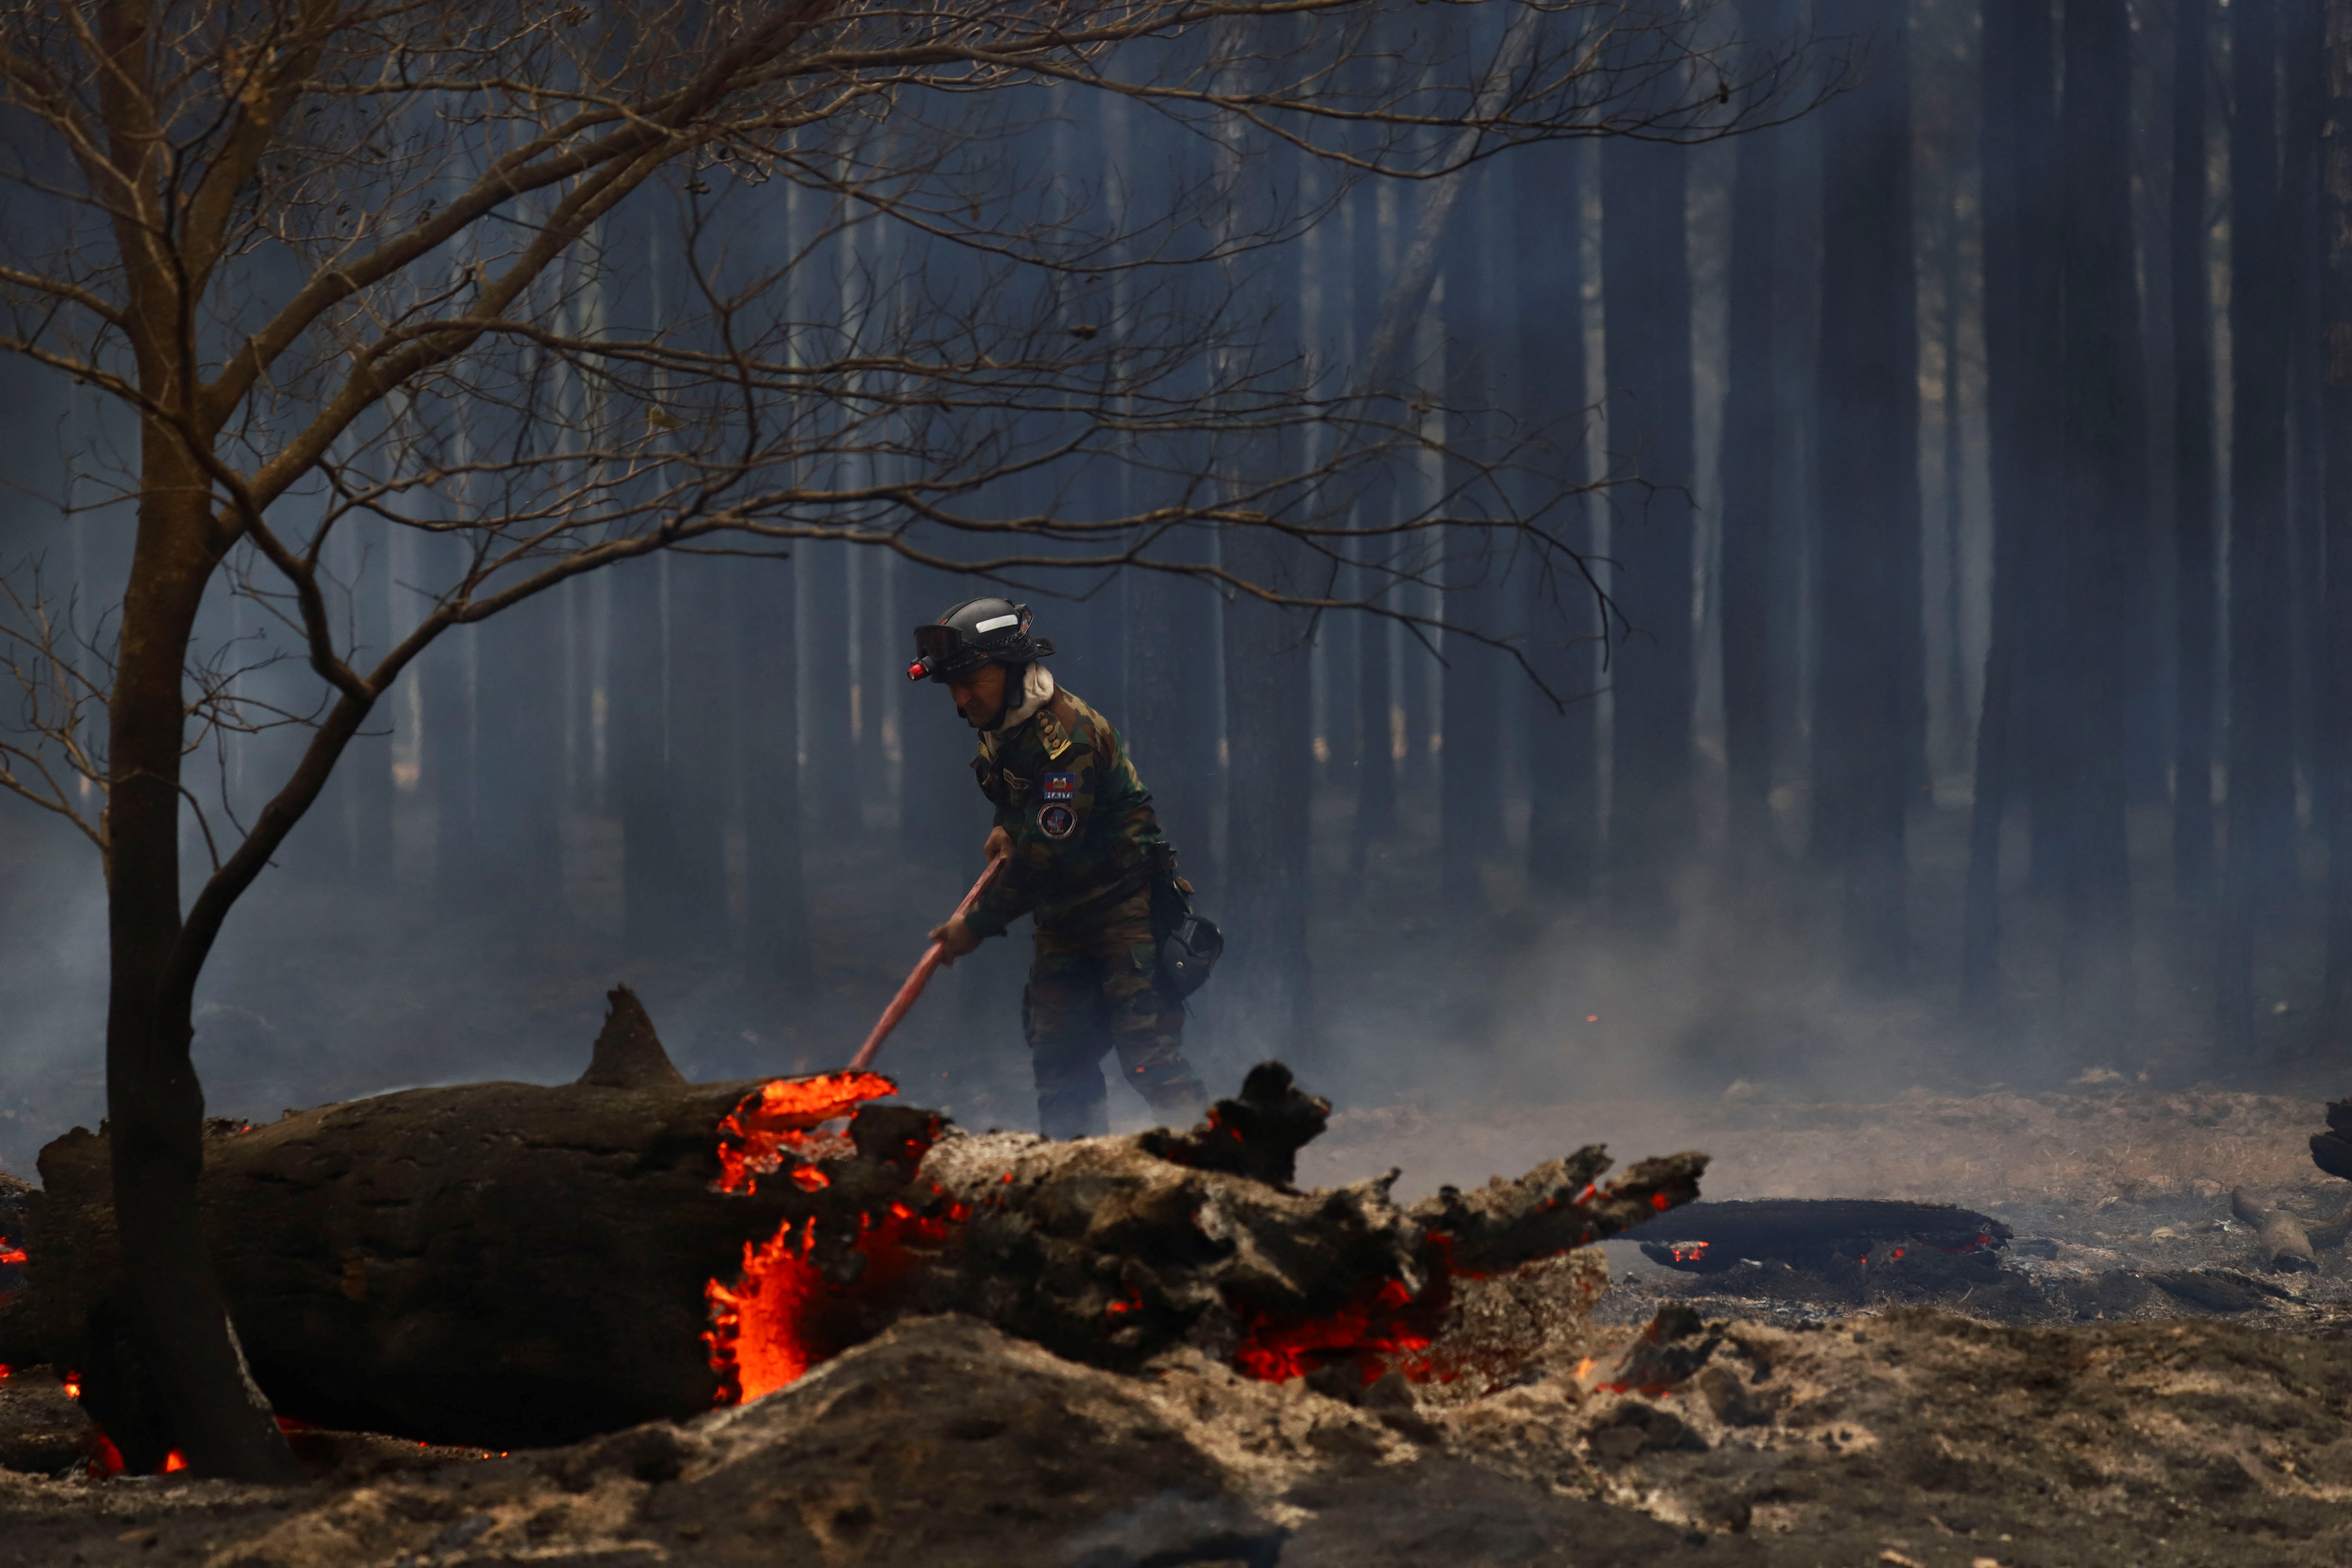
(507, 275)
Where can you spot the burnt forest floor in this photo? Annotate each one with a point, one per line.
(2125, 1383)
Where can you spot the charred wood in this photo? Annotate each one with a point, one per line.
(2282, 1245)
(508, 1265)
(1711, 1237)
(2332, 1150)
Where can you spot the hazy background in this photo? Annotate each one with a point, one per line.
(1739, 865)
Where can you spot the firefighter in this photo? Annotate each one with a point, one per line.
(1085, 857)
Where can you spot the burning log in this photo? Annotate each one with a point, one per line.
(509, 1265)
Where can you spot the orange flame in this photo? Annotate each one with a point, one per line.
(10, 1252)
(773, 1323)
(174, 1462)
(787, 1113)
(779, 1316)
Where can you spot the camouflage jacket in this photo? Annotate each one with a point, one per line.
(1085, 837)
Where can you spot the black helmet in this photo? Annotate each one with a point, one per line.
(975, 632)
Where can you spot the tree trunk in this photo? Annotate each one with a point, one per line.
(1752, 488)
(1563, 627)
(368, 774)
(2303, 111)
(2336, 346)
(447, 753)
(2259, 869)
(2020, 128)
(517, 861)
(2104, 496)
(703, 730)
(770, 778)
(1954, 677)
(653, 918)
(1269, 994)
(1864, 746)
(1172, 733)
(1645, 280)
(155, 1106)
(943, 819)
(2196, 591)
(825, 650)
(1471, 761)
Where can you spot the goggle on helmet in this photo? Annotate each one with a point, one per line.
(975, 632)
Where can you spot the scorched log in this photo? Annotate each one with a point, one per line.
(498, 1264)
(509, 1265)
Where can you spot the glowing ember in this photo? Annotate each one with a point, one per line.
(105, 1459)
(788, 1114)
(1693, 1251)
(1383, 1330)
(174, 1462)
(782, 1316)
(10, 1252)
(73, 1385)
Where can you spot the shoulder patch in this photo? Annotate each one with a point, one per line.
(1059, 787)
(1055, 738)
(1055, 821)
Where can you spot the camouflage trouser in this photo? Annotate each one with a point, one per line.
(1092, 991)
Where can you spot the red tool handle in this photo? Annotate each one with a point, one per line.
(916, 980)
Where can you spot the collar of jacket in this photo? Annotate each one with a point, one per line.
(1036, 691)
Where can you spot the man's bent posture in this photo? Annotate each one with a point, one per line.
(1085, 856)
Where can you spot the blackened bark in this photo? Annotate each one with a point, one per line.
(1645, 281)
(2196, 588)
(2104, 493)
(1563, 618)
(2259, 864)
(2018, 130)
(2336, 347)
(1751, 486)
(155, 1102)
(1865, 743)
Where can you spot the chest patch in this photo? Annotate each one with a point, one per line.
(1059, 787)
(1014, 784)
(1057, 821)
